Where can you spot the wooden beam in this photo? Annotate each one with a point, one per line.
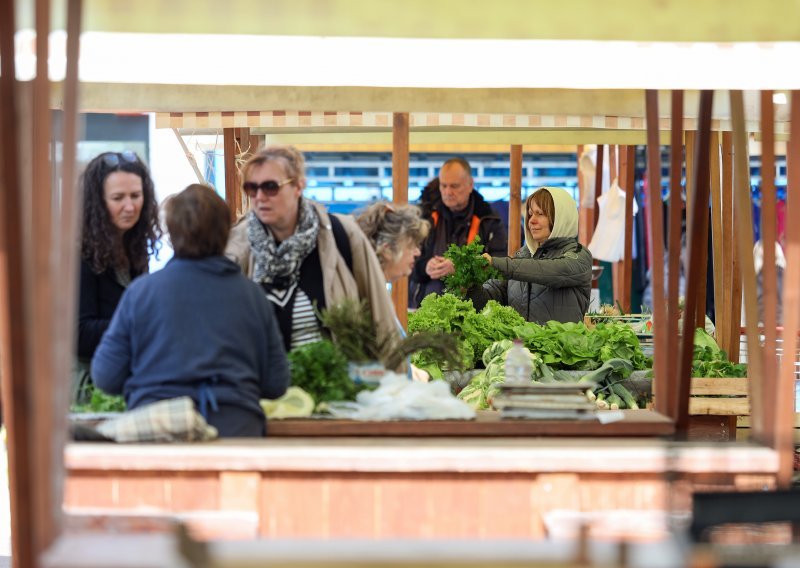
(691, 135)
(231, 171)
(735, 321)
(65, 279)
(662, 383)
(40, 300)
(246, 146)
(630, 191)
(717, 239)
(784, 408)
(515, 200)
(674, 251)
(728, 265)
(598, 191)
(598, 184)
(581, 194)
(697, 228)
(14, 325)
(618, 273)
(769, 276)
(612, 162)
(400, 157)
(744, 242)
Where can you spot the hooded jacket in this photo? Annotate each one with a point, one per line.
(548, 282)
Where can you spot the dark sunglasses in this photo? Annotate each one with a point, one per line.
(269, 187)
(114, 159)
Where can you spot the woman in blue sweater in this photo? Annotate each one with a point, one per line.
(196, 328)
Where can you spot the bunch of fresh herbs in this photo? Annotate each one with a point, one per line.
(99, 401)
(320, 369)
(471, 268)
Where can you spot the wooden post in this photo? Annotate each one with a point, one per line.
(661, 384)
(618, 274)
(612, 162)
(400, 151)
(515, 200)
(698, 226)
(689, 188)
(728, 265)
(674, 249)
(231, 170)
(40, 296)
(717, 244)
(744, 242)
(735, 322)
(627, 260)
(784, 410)
(598, 191)
(769, 277)
(598, 185)
(64, 281)
(14, 361)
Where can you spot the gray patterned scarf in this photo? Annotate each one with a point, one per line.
(278, 266)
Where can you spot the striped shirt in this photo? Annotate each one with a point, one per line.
(305, 326)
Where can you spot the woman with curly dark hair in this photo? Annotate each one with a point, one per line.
(120, 231)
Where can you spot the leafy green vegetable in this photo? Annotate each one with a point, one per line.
(447, 313)
(574, 346)
(320, 369)
(471, 269)
(709, 360)
(99, 401)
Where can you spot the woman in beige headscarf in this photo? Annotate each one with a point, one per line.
(550, 277)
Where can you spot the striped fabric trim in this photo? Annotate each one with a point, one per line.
(383, 121)
(305, 327)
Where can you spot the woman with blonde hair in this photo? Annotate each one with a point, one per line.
(304, 258)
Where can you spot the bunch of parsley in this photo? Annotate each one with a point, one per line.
(320, 369)
(471, 268)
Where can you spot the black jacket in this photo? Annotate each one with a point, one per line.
(99, 296)
(492, 232)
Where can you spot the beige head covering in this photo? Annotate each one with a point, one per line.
(566, 221)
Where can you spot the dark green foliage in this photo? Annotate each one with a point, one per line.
(100, 402)
(709, 360)
(574, 346)
(320, 369)
(471, 268)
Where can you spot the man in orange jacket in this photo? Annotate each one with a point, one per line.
(457, 215)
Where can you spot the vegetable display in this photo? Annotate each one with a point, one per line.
(471, 269)
(570, 346)
(711, 361)
(573, 346)
(99, 401)
(320, 369)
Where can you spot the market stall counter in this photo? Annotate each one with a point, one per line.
(404, 487)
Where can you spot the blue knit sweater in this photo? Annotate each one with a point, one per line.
(196, 328)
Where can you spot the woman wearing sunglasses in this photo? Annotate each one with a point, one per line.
(120, 231)
(303, 258)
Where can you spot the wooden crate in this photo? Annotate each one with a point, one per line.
(727, 397)
(720, 397)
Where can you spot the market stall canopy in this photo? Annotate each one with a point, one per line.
(642, 20)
